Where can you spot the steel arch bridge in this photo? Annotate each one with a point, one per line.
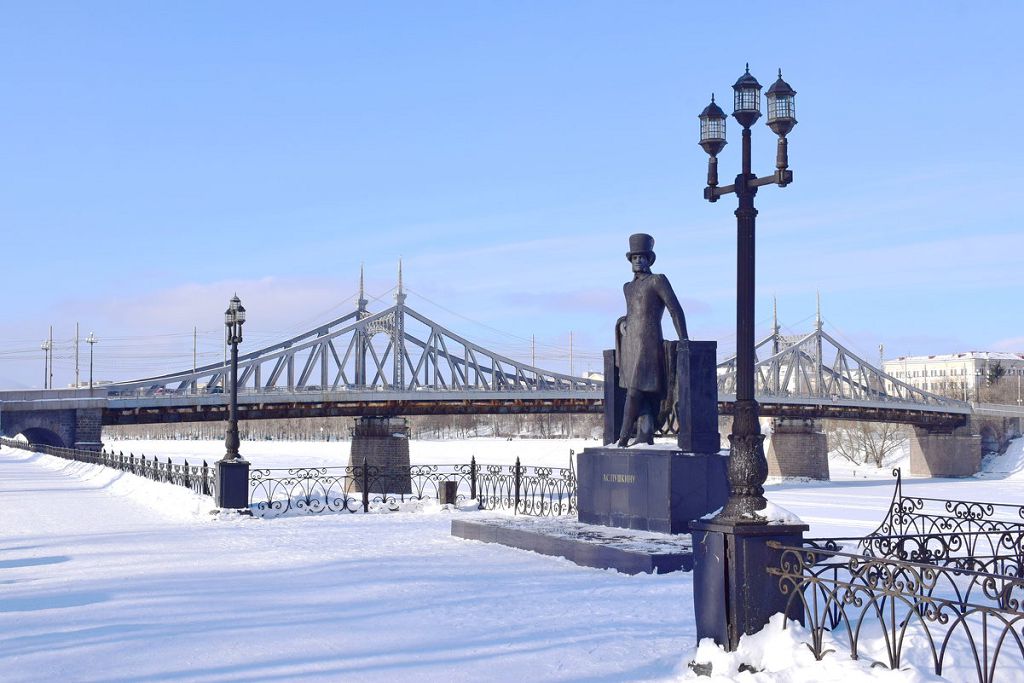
(399, 362)
(815, 376)
(395, 362)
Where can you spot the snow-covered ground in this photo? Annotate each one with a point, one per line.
(109, 577)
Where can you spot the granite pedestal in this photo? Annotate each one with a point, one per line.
(655, 489)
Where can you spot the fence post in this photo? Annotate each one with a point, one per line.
(169, 478)
(472, 478)
(518, 477)
(186, 478)
(365, 487)
(206, 479)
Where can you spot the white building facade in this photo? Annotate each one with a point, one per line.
(958, 375)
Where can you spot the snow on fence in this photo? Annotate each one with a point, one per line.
(199, 478)
(523, 489)
(945, 593)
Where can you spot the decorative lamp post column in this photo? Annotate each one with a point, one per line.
(233, 470)
(733, 594)
(748, 467)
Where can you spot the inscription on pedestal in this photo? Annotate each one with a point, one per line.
(651, 489)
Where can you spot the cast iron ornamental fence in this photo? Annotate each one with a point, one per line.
(523, 489)
(947, 598)
(920, 515)
(199, 478)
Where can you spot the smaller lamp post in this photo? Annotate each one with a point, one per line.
(91, 341)
(233, 470)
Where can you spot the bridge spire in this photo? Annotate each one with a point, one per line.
(820, 372)
(398, 334)
(400, 293)
(360, 340)
(362, 295)
(776, 342)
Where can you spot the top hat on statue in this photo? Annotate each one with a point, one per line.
(641, 243)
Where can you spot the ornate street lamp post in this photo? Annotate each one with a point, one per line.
(234, 318)
(748, 468)
(232, 469)
(733, 593)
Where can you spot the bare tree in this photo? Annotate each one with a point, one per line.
(866, 443)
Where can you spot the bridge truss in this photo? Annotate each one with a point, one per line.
(815, 375)
(399, 362)
(395, 350)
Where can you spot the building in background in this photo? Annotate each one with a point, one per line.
(957, 375)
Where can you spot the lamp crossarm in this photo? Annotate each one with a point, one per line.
(780, 178)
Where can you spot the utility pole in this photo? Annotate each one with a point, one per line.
(533, 350)
(49, 349)
(91, 341)
(571, 371)
(45, 346)
(76, 356)
(572, 374)
(881, 365)
(195, 335)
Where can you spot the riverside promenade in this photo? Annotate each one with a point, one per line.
(108, 577)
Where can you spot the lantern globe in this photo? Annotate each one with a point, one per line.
(712, 128)
(781, 106)
(746, 99)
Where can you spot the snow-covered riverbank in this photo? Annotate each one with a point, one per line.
(110, 577)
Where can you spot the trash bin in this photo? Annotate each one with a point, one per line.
(448, 491)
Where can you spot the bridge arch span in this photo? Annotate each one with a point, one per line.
(41, 436)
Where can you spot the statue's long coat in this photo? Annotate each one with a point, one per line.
(640, 351)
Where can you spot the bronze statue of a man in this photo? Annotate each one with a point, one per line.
(640, 349)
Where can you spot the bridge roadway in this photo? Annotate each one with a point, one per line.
(200, 407)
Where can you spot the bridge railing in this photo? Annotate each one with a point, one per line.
(198, 478)
(521, 489)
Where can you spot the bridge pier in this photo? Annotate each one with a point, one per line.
(798, 448)
(383, 444)
(78, 423)
(945, 453)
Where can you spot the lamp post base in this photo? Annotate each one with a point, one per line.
(733, 594)
(232, 490)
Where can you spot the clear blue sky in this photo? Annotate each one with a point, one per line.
(157, 157)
